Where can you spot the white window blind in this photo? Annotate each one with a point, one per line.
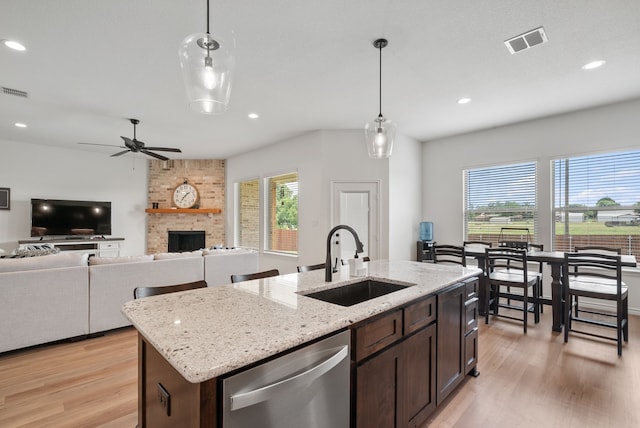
(597, 202)
(500, 203)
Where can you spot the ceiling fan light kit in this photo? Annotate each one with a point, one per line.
(207, 69)
(380, 132)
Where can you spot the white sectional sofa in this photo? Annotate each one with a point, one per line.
(111, 283)
(54, 297)
(43, 299)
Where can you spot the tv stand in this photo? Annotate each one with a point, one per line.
(95, 246)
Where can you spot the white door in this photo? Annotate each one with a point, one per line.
(355, 203)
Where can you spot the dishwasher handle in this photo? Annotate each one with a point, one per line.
(246, 399)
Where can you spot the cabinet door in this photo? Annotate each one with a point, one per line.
(419, 354)
(378, 390)
(451, 329)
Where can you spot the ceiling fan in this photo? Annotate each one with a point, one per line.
(135, 146)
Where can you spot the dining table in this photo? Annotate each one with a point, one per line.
(555, 260)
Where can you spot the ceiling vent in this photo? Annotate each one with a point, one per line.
(14, 92)
(527, 40)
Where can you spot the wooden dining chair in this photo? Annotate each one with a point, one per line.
(507, 268)
(256, 275)
(140, 292)
(311, 267)
(449, 254)
(597, 249)
(596, 276)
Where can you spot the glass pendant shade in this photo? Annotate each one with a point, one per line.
(207, 69)
(380, 134)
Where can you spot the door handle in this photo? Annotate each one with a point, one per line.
(246, 399)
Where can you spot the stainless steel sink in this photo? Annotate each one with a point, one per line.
(351, 294)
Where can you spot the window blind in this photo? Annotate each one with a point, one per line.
(597, 201)
(499, 201)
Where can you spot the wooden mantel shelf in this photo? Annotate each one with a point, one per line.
(183, 210)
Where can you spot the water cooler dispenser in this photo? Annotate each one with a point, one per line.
(426, 242)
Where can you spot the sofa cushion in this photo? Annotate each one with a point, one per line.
(51, 261)
(165, 256)
(124, 259)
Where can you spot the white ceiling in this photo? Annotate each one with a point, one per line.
(306, 65)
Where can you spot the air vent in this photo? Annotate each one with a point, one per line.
(527, 40)
(14, 92)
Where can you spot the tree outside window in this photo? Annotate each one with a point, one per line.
(282, 233)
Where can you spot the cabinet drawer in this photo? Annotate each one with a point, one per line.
(377, 334)
(419, 315)
(471, 287)
(471, 314)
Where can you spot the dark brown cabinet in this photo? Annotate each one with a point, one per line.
(419, 358)
(378, 390)
(451, 321)
(457, 336)
(396, 387)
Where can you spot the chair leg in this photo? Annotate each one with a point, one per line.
(576, 307)
(619, 335)
(567, 317)
(625, 314)
(487, 302)
(526, 309)
(536, 303)
(540, 297)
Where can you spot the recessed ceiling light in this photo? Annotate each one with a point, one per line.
(253, 115)
(464, 100)
(12, 44)
(20, 125)
(593, 64)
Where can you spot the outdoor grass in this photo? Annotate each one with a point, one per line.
(583, 228)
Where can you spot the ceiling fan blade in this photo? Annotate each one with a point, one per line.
(120, 153)
(105, 145)
(155, 155)
(164, 149)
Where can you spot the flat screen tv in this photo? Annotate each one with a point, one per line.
(52, 217)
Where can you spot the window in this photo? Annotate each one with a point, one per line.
(281, 233)
(597, 202)
(500, 201)
(248, 214)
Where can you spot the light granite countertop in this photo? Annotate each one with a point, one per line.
(211, 331)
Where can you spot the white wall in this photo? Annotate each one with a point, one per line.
(405, 198)
(319, 157)
(37, 171)
(603, 129)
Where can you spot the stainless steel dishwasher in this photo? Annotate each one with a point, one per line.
(306, 388)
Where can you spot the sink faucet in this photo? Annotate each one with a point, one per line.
(327, 264)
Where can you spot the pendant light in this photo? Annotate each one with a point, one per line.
(380, 132)
(207, 67)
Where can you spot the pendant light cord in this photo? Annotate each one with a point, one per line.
(208, 17)
(380, 81)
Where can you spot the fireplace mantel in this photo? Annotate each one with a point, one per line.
(158, 211)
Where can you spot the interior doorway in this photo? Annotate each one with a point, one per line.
(356, 203)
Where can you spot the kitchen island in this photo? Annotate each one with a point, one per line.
(191, 340)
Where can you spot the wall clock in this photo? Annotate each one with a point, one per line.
(185, 195)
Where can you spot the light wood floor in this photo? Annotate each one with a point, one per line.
(532, 380)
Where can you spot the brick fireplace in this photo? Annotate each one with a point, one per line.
(208, 176)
